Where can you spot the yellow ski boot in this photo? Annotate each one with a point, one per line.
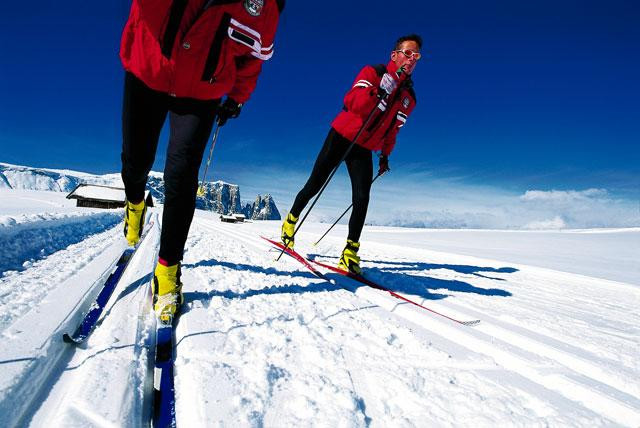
(349, 261)
(167, 291)
(288, 228)
(134, 221)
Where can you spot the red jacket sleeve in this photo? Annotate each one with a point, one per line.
(248, 67)
(389, 142)
(247, 71)
(362, 97)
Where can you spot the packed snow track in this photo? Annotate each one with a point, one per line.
(266, 343)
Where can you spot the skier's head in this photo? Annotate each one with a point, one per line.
(406, 52)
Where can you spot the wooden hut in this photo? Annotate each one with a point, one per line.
(106, 197)
(228, 218)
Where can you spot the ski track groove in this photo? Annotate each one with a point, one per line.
(581, 389)
(591, 367)
(143, 376)
(34, 387)
(65, 405)
(519, 360)
(17, 302)
(52, 356)
(501, 329)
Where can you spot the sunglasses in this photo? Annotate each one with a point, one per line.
(409, 53)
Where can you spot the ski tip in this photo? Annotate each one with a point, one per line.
(66, 338)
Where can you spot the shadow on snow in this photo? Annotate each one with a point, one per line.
(396, 277)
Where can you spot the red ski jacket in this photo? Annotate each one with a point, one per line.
(201, 49)
(380, 133)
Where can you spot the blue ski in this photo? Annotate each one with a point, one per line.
(164, 400)
(91, 318)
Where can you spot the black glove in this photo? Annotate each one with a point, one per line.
(383, 164)
(228, 110)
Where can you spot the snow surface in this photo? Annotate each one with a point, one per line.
(265, 343)
(32, 234)
(101, 193)
(604, 253)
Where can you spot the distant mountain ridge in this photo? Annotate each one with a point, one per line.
(263, 208)
(220, 197)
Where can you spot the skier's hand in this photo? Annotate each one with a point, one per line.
(383, 164)
(388, 83)
(229, 109)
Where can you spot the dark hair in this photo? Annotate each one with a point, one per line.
(412, 37)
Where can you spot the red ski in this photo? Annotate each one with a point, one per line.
(372, 284)
(309, 265)
(298, 257)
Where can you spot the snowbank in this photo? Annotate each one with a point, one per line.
(30, 237)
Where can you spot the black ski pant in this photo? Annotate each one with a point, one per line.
(360, 167)
(144, 112)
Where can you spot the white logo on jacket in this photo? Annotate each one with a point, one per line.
(254, 7)
(402, 117)
(249, 37)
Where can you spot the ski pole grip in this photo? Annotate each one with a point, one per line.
(399, 72)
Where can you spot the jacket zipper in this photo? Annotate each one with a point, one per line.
(216, 47)
(178, 8)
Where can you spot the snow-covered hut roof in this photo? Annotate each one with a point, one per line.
(104, 194)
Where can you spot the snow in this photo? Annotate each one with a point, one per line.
(32, 235)
(265, 343)
(18, 202)
(603, 253)
(101, 193)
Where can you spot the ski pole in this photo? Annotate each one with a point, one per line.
(204, 176)
(381, 96)
(342, 215)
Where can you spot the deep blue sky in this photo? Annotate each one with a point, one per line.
(516, 95)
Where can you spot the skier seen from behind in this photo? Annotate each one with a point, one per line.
(379, 134)
(181, 58)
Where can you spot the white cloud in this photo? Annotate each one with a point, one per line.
(555, 223)
(442, 219)
(418, 198)
(564, 195)
(444, 204)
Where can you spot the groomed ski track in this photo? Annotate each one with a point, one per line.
(104, 380)
(266, 343)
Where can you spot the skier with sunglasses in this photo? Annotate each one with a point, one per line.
(379, 134)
